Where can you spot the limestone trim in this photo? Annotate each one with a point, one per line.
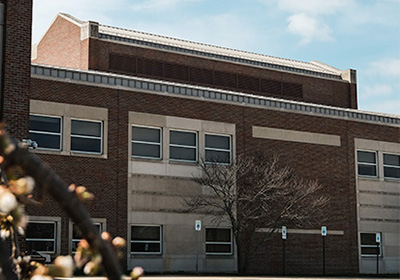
(296, 136)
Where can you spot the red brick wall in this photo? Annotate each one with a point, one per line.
(333, 166)
(315, 90)
(17, 51)
(62, 46)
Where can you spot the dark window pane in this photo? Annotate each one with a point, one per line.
(46, 141)
(368, 170)
(392, 172)
(143, 233)
(146, 134)
(391, 159)
(370, 250)
(369, 157)
(44, 246)
(217, 156)
(79, 144)
(86, 128)
(40, 230)
(368, 239)
(182, 138)
(218, 248)
(145, 247)
(76, 234)
(146, 150)
(179, 153)
(218, 235)
(218, 142)
(45, 124)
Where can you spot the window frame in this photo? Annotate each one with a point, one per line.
(376, 164)
(148, 241)
(371, 246)
(160, 129)
(47, 239)
(219, 242)
(388, 165)
(60, 134)
(78, 240)
(218, 150)
(71, 135)
(196, 133)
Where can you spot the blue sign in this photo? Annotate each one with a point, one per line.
(378, 238)
(284, 232)
(197, 225)
(323, 231)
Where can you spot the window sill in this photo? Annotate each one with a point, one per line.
(67, 153)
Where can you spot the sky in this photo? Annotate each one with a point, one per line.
(347, 34)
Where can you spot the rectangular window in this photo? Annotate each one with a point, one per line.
(367, 164)
(183, 145)
(391, 166)
(369, 246)
(219, 241)
(46, 131)
(41, 237)
(77, 236)
(87, 136)
(218, 149)
(146, 239)
(146, 142)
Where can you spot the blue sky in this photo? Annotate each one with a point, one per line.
(357, 34)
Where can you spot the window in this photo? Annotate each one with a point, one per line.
(46, 131)
(146, 142)
(218, 149)
(86, 136)
(41, 237)
(369, 246)
(146, 240)
(218, 241)
(183, 145)
(391, 166)
(367, 164)
(77, 236)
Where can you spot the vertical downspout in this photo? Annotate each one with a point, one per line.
(2, 44)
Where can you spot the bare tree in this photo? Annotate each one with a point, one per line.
(257, 192)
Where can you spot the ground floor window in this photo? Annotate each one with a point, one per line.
(369, 246)
(146, 239)
(77, 235)
(219, 241)
(41, 236)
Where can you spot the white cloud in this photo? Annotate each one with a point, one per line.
(308, 28)
(386, 67)
(314, 7)
(378, 90)
(159, 5)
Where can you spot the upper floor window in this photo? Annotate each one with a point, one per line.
(146, 142)
(86, 136)
(183, 145)
(41, 237)
(46, 131)
(218, 149)
(146, 239)
(219, 241)
(367, 163)
(369, 247)
(391, 166)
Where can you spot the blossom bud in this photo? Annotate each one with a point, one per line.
(136, 273)
(65, 265)
(119, 242)
(8, 202)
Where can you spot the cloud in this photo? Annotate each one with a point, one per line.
(308, 28)
(159, 5)
(386, 67)
(313, 7)
(387, 106)
(378, 90)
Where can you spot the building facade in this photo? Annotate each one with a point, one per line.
(130, 115)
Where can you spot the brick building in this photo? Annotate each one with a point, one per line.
(130, 114)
